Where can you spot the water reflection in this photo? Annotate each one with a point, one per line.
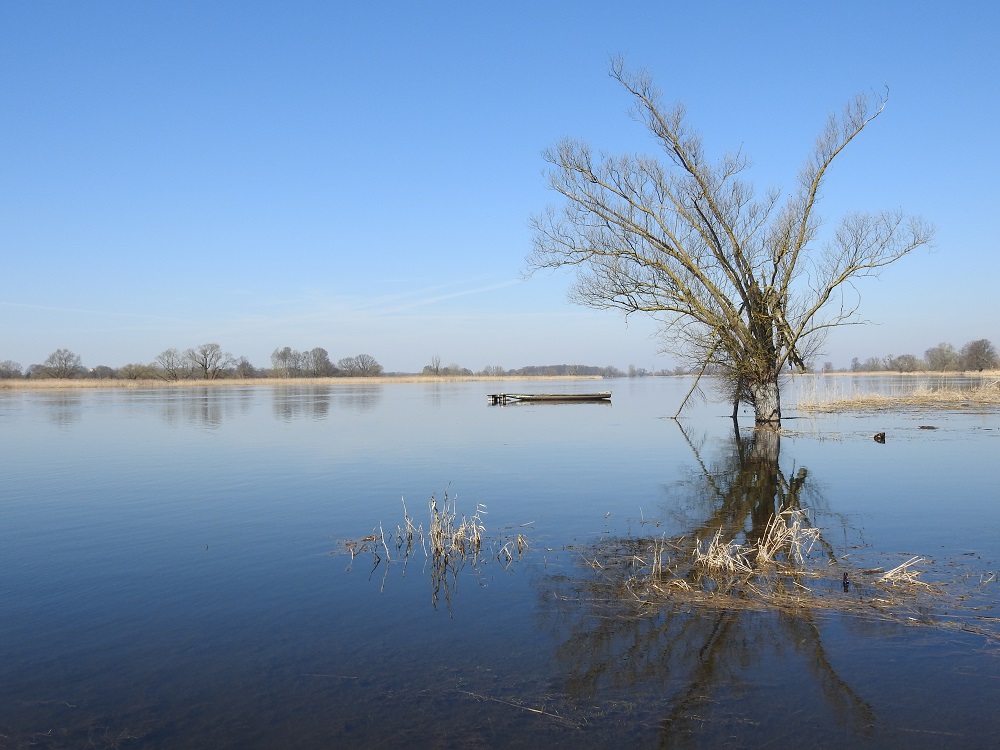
(63, 408)
(206, 407)
(314, 402)
(741, 488)
(695, 654)
(309, 402)
(360, 399)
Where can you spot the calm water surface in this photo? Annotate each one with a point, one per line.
(172, 573)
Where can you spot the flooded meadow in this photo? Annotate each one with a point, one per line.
(403, 565)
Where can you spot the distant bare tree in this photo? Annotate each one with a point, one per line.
(103, 372)
(316, 363)
(172, 365)
(361, 366)
(903, 363)
(138, 371)
(348, 366)
(735, 279)
(62, 363)
(286, 363)
(244, 369)
(979, 355)
(10, 370)
(455, 369)
(210, 360)
(942, 358)
(367, 366)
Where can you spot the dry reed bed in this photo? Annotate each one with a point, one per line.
(986, 395)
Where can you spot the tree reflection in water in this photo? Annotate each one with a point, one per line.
(697, 650)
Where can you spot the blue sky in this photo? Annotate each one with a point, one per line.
(264, 174)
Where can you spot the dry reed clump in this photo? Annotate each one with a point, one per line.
(448, 542)
(786, 543)
(778, 570)
(904, 574)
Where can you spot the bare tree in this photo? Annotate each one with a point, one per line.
(361, 366)
(903, 363)
(942, 357)
(172, 365)
(10, 370)
(138, 371)
(286, 363)
(210, 360)
(62, 363)
(979, 355)
(245, 369)
(316, 363)
(348, 366)
(367, 366)
(736, 280)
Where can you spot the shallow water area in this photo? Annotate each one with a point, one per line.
(174, 573)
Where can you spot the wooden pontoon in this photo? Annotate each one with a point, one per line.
(552, 398)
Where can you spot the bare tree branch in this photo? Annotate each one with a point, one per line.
(735, 280)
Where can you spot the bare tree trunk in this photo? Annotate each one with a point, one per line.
(766, 402)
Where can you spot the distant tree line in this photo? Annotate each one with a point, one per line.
(210, 362)
(205, 362)
(974, 356)
(315, 363)
(435, 368)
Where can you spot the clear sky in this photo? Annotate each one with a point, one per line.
(359, 176)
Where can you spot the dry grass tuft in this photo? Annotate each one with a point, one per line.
(786, 543)
(788, 537)
(448, 543)
(903, 575)
(728, 558)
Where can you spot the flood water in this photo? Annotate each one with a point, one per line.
(173, 572)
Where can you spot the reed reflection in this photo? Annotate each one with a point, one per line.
(645, 613)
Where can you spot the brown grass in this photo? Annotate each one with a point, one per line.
(23, 384)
